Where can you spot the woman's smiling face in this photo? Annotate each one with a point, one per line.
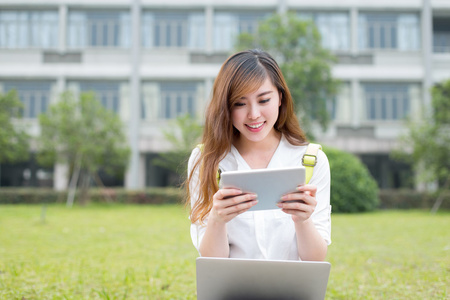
(255, 114)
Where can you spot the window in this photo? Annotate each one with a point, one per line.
(329, 105)
(441, 35)
(332, 107)
(35, 96)
(170, 99)
(177, 99)
(389, 31)
(333, 27)
(108, 93)
(28, 29)
(228, 25)
(386, 101)
(441, 41)
(389, 174)
(173, 30)
(99, 29)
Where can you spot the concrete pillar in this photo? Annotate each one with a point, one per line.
(209, 32)
(282, 7)
(207, 95)
(62, 28)
(142, 170)
(427, 81)
(61, 84)
(354, 30)
(60, 177)
(132, 180)
(356, 107)
(427, 51)
(60, 171)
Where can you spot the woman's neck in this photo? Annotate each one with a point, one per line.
(258, 154)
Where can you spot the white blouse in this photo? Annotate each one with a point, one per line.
(269, 234)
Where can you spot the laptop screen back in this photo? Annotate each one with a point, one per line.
(228, 278)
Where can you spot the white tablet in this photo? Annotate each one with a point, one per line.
(269, 184)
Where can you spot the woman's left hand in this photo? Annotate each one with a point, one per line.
(300, 204)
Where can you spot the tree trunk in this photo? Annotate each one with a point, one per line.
(440, 198)
(100, 184)
(84, 193)
(43, 213)
(74, 181)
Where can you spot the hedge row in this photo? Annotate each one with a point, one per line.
(409, 199)
(114, 195)
(389, 199)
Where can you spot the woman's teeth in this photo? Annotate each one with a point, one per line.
(255, 126)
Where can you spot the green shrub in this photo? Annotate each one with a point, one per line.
(352, 187)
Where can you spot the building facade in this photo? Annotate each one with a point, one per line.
(151, 61)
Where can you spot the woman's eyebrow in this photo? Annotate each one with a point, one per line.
(261, 94)
(264, 93)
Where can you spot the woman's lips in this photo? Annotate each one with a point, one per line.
(255, 127)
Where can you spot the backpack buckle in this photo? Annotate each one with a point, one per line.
(309, 160)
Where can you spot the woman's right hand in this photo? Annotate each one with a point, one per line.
(228, 203)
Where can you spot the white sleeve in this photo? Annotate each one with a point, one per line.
(322, 214)
(197, 230)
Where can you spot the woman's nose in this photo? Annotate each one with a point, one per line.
(254, 112)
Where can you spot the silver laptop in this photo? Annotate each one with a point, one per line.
(231, 278)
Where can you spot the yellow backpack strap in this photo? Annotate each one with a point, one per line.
(219, 171)
(309, 160)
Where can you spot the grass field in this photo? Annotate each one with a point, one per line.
(144, 252)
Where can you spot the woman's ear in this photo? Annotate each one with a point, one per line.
(281, 97)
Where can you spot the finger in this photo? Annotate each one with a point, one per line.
(304, 197)
(301, 214)
(240, 199)
(308, 199)
(233, 201)
(312, 189)
(235, 214)
(296, 206)
(240, 208)
(294, 197)
(225, 193)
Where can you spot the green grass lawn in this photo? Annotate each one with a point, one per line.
(145, 252)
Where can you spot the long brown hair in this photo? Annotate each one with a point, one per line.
(242, 73)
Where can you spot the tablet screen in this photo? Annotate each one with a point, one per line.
(269, 184)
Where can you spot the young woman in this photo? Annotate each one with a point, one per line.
(251, 124)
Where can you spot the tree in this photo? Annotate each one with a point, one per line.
(427, 144)
(296, 45)
(184, 134)
(84, 135)
(14, 141)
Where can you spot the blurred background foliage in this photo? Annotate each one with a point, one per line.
(14, 141)
(83, 134)
(426, 145)
(184, 134)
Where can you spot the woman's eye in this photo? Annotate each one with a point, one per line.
(264, 101)
(239, 104)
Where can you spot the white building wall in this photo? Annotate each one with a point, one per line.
(176, 64)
